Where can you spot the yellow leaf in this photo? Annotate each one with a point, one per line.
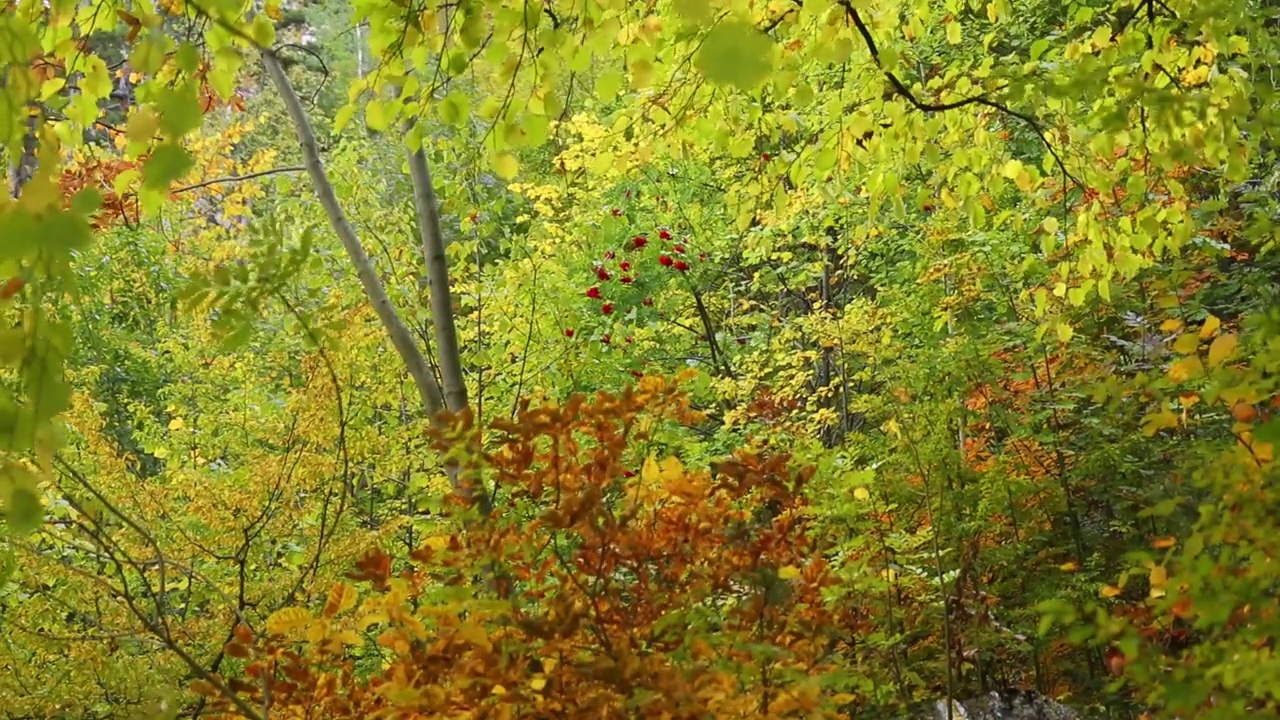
(790, 572)
(506, 166)
(341, 599)
(1170, 325)
(671, 469)
(1012, 169)
(1164, 543)
(1109, 591)
(651, 472)
(347, 637)
(475, 634)
(1186, 369)
(1157, 421)
(538, 683)
(861, 493)
(1159, 576)
(1222, 348)
(176, 424)
(499, 690)
(286, 619)
(372, 619)
(1071, 566)
(953, 33)
(1050, 224)
(1186, 344)
(1211, 325)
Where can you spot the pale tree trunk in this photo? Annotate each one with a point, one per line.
(21, 172)
(360, 71)
(450, 355)
(415, 361)
(453, 396)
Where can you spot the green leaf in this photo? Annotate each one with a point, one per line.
(179, 110)
(609, 84)
(97, 79)
(23, 512)
(953, 33)
(693, 10)
(455, 108)
(86, 202)
(263, 31)
(188, 58)
(376, 116)
(168, 163)
(18, 44)
(735, 53)
(343, 117)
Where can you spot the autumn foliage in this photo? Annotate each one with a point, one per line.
(589, 594)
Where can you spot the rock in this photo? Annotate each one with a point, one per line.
(1003, 705)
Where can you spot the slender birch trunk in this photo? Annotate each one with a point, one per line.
(415, 361)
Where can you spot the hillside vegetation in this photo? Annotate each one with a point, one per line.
(638, 358)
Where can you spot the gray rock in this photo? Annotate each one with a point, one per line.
(1002, 705)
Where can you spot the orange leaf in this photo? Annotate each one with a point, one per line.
(12, 287)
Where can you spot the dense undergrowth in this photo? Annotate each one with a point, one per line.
(727, 359)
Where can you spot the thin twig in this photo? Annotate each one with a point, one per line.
(237, 178)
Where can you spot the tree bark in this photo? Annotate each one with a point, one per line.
(428, 389)
(450, 355)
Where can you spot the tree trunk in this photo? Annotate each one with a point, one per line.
(450, 355)
(428, 389)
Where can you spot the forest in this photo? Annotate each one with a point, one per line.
(680, 359)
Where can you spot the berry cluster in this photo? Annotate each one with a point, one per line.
(671, 254)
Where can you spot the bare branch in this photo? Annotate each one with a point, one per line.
(237, 178)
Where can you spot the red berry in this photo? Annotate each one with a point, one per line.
(702, 256)
(665, 234)
(678, 248)
(630, 340)
(593, 293)
(602, 273)
(927, 207)
(624, 265)
(607, 308)
(741, 340)
(628, 473)
(625, 279)
(609, 255)
(637, 374)
(617, 212)
(665, 260)
(764, 157)
(682, 266)
(638, 242)
(606, 339)
(648, 302)
(568, 332)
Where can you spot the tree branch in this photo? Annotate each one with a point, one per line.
(237, 178)
(416, 363)
(918, 104)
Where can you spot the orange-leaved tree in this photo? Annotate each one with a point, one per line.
(598, 592)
